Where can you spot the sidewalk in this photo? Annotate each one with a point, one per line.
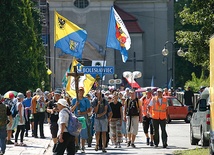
(35, 146)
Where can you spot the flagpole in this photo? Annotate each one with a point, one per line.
(104, 59)
(54, 86)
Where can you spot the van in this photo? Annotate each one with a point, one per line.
(200, 122)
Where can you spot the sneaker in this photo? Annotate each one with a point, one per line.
(42, 137)
(77, 148)
(16, 144)
(22, 144)
(129, 143)
(165, 146)
(147, 141)
(151, 144)
(133, 145)
(9, 142)
(83, 150)
(26, 134)
(115, 146)
(104, 150)
(119, 146)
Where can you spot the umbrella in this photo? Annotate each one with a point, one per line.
(10, 94)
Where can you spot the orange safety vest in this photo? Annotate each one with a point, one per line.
(145, 103)
(159, 110)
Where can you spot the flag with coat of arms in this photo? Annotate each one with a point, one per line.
(69, 37)
(118, 36)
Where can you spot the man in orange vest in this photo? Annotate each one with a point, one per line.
(159, 109)
(147, 120)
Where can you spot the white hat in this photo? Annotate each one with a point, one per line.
(63, 102)
(160, 90)
(20, 95)
(38, 91)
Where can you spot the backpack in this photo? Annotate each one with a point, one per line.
(40, 105)
(14, 110)
(74, 126)
(3, 115)
(132, 110)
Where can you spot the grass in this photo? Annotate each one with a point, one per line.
(197, 151)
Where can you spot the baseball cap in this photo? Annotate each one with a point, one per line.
(127, 89)
(148, 90)
(63, 102)
(160, 90)
(57, 91)
(131, 90)
(20, 95)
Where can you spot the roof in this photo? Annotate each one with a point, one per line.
(129, 20)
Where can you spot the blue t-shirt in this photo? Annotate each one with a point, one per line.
(27, 102)
(84, 105)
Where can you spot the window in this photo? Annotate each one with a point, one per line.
(81, 3)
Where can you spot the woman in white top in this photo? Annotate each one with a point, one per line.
(21, 120)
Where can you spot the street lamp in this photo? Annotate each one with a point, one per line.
(165, 52)
(130, 76)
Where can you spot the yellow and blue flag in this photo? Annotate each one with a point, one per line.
(69, 37)
(85, 81)
(118, 36)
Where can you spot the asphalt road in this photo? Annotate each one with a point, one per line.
(178, 139)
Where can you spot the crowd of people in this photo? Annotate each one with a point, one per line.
(110, 115)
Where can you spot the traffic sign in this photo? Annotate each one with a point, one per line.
(98, 70)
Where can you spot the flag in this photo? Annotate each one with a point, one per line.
(85, 81)
(170, 83)
(118, 36)
(49, 72)
(132, 83)
(69, 37)
(152, 82)
(65, 77)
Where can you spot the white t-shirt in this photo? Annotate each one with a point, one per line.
(63, 118)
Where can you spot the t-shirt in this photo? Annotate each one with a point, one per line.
(63, 118)
(55, 116)
(27, 102)
(101, 107)
(83, 106)
(116, 109)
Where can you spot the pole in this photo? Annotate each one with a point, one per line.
(54, 83)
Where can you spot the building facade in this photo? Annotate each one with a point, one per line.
(149, 22)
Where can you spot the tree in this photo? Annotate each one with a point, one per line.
(22, 54)
(197, 19)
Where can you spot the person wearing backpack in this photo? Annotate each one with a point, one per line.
(9, 102)
(81, 107)
(20, 119)
(38, 108)
(132, 114)
(65, 139)
(4, 114)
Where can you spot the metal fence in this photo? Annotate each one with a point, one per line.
(180, 96)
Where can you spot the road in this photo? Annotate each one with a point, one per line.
(178, 139)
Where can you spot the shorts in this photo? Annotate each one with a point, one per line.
(84, 133)
(101, 125)
(54, 129)
(134, 124)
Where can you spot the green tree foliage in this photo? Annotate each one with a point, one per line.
(195, 83)
(22, 54)
(197, 19)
